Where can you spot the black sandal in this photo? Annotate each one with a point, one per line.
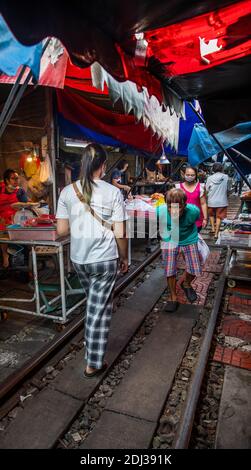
(96, 372)
(171, 306)
(190, 293)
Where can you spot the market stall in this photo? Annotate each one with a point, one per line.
(39, 234)
(237, 231)
(143, 218)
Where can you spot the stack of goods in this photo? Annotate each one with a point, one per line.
(34, 228)
(246, 202)
(44, 220)
(246, 195)
(158, 199)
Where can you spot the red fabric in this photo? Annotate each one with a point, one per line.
(6, 211)
(79, 78)
(78, 110)
(177, 47)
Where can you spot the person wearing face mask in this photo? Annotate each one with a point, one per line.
(10, 193)
(195, 192)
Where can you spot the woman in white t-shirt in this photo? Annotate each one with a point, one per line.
(94, 213)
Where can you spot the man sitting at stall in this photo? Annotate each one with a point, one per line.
(177, 222)
(150, 170)
(118, 177)
(10, 193)
(162, 171)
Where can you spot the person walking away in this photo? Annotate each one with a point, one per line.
(118, 177)
(94, 213)
(195, 192)
(217, 188)
(179, 234)
(237, 183)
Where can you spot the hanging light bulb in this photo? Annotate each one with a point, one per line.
(163, 159)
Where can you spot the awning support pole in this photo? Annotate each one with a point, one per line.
(239, 154)
(221, 146)
(12, 93)
(5, 118)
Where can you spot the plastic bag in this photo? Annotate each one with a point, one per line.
(36, 189)
(203, 248)
(46, 175)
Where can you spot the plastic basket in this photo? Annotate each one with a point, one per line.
(42, 234)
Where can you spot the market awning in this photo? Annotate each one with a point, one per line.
(78, 117)
(13, 54)
(201, 49)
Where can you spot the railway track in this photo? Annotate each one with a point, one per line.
(148, 396)
(147, 348)
(68, 334)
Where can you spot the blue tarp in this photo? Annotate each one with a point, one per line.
(77, 131)
(202, 146)
(185, 132)
(13, 54)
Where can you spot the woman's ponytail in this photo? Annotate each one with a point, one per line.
(93, 157)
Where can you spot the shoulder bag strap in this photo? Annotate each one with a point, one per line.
(93, 213)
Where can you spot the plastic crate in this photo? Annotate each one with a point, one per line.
(42, 234)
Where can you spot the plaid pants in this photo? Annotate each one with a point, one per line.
(192, 259)
(97, 280)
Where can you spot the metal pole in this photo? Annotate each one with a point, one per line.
(185, 427)
(53, 156)
(15, 103)
(239, 154)
(221, 146)
(34, 263)
(62, 284)
(5, 120)
(12, 93)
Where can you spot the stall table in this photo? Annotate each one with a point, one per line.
(143, 224)
(239, 268)
(64, 287)
(234, 240)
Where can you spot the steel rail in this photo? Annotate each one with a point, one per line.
(9, 385)
(185, 427)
